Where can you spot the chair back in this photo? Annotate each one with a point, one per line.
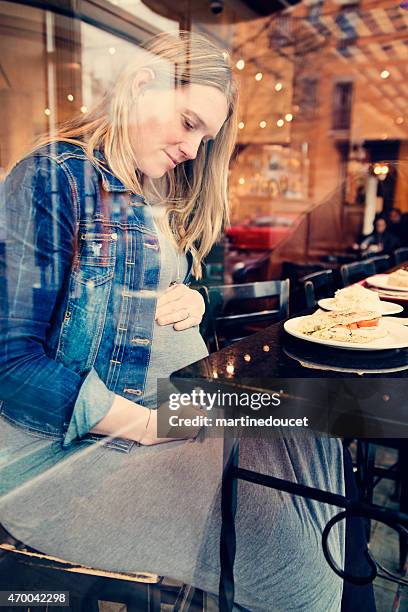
(239, 310)
(401, 255)
(382, 263)
(317, 286)
(213, 273)
(253, 272)
(207, 325)
(214, 264)
(356, 271)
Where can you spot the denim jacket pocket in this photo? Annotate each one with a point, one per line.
(96, 258)
(89, 291)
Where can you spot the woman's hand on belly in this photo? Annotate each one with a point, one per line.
(181, 307)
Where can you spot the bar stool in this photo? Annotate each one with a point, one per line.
(369, 475)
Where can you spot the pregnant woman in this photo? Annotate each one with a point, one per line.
(106, 221)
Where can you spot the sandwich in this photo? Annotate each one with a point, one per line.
(345, 326)
(355, 298)
(399, 278)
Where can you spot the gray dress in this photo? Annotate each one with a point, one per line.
(157, 508)
(171, 350)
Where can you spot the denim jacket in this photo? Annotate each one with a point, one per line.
(79, 278)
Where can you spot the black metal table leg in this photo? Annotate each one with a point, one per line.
(228, 535)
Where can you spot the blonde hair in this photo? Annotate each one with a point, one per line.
(194, 194)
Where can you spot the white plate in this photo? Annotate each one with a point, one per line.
(401, 296)
(381, 281)
(387, 308)
(397, 337)
(307, 363)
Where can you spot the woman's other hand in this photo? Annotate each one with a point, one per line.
(132, 421)
(181, 307)
(182, 432)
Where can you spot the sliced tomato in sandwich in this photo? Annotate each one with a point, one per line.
(370, 323)
(363, 323)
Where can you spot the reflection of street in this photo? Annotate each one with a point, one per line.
(261, 232)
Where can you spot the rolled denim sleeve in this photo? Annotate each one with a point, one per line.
(93, 403)
(39, 392)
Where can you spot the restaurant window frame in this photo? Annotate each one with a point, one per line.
(102, 14)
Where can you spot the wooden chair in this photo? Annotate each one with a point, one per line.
(236, 311)
(357, 271)
(382, 263)
(137, 590)
(401, 255)
(317, 286)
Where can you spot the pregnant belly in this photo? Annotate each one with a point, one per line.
(171, 350)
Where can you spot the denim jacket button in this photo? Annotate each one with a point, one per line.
(114, 236)
(132, 391)
(137, 340)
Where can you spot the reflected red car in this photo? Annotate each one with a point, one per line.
(262, 233)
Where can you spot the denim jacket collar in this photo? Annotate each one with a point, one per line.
(109, 181)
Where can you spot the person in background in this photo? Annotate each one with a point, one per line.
(397, 224)
(404, 229)
(381, 241)
(394, 222)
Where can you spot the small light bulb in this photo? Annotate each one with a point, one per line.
(241, 125)
(278, 86)
(288, 117)
(230, 368)
(70, 97)
(47, 112)
(280, 123)
(83, 109)
(241, 180)
(399, 120)
(240, 64)
(384, 137)
(112, 50)
(266, 348)
(258, 76)
(262, 124)
(247, 357)
(385, 74)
